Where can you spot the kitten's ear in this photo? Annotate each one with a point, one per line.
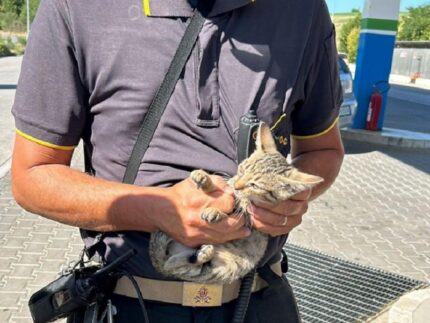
(265, 141)
(304, 178)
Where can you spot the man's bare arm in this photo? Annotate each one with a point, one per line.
(322, 156)
(43, 183)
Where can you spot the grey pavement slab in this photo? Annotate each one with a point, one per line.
(33, 250)
(377, 214)
(9, 73)
(417, 158)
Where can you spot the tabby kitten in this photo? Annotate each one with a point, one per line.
(265, 176)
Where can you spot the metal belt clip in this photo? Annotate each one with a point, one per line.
(202, 295)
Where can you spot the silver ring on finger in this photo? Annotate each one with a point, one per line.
(284, 223)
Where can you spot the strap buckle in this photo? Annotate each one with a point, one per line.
(201, 295)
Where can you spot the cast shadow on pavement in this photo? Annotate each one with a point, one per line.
(417, 158)
(7, 86)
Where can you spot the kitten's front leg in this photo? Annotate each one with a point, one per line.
(203, 181)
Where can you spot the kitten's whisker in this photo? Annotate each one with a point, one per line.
(237, 214)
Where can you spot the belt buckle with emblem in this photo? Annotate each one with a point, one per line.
(201, 295)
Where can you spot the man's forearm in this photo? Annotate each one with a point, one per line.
(75, 198)
(324, 163)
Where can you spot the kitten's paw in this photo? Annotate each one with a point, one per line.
(202, 180)
(205, 254)
(212, 215)
(199, 177)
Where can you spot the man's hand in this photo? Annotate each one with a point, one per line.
(322, 156)
(184, 224)
(281, 218)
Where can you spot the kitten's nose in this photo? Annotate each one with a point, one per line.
(239, 184)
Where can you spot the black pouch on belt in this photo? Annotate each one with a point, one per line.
(274, 281)
(275, 303)
(75, 290)
(71, 291)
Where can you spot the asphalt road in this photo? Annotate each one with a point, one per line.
(408, 108)
(409, 92)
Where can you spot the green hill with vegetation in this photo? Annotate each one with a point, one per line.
(414, 25)
(341, 18)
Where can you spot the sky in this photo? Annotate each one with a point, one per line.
(347, 5)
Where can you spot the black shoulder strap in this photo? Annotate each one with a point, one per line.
(156, 109)
(162, 97)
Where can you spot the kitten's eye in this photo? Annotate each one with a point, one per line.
(253, 185)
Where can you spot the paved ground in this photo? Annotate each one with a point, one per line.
(9, 72)
(32, 251)
(377, 214)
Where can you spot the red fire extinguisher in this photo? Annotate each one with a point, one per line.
(374, 110)
(375, 106)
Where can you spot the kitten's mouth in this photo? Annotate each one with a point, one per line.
(270, 198)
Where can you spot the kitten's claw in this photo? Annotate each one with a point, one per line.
(212, 215)
(205, 254)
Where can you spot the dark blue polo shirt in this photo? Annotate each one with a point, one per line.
(91, 69)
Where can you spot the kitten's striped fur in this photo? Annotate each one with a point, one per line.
(264, 176)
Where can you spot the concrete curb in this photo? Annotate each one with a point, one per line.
(413, 307)
(389, 137)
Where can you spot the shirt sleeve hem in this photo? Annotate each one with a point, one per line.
(52, 136)
(311, 136)
(42, 142)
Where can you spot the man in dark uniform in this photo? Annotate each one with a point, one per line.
(90, 71)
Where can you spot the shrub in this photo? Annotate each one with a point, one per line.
(13, 14)
(22, 41)
(9, 21)
(352, 44)
(346, 29)
(12, 46)
(5, 48)
(415, 24)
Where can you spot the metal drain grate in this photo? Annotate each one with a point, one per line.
(332, 290)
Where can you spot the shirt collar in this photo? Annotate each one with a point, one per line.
(182, 8)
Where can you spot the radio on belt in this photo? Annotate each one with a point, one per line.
(247, 135)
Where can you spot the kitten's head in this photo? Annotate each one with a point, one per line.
(267, 176)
